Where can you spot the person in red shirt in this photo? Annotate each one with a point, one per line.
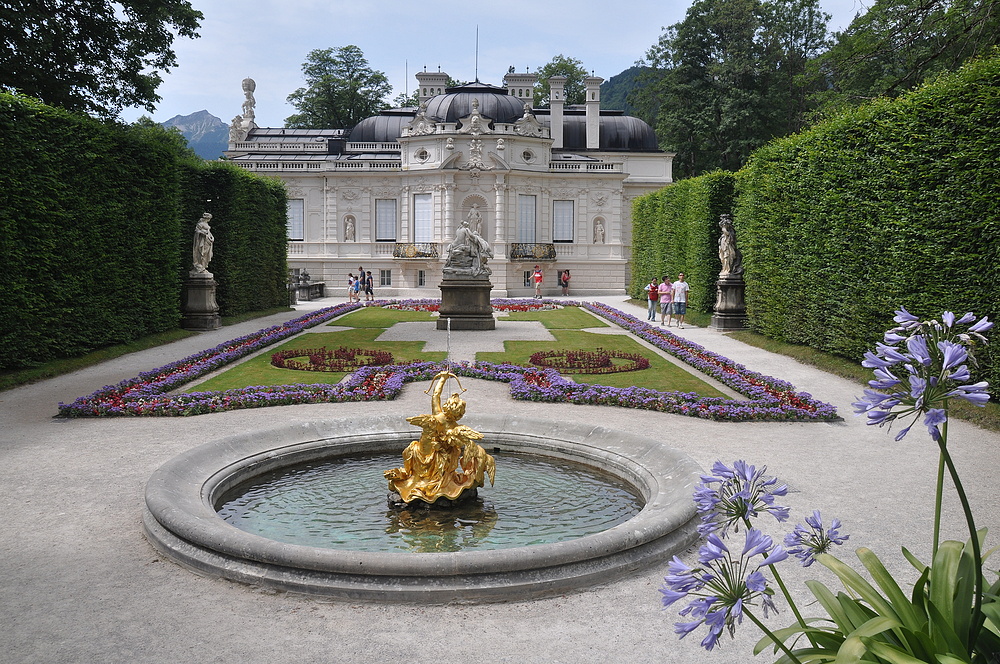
(652, 297)
(537, 276)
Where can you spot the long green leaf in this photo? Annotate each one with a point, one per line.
(900, 602)
(830, 603)
(856, 582)
(944, 580)
(894, 655)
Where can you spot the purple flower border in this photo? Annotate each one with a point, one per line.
(769, 399)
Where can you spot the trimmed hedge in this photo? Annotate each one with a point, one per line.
(92, 241)
(676, 229)
(893, 204)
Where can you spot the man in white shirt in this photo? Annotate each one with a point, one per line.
(680, 289)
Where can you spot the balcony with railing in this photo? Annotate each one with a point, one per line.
(531, 251)
(416, 250)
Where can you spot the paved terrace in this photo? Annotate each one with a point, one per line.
(79, 583)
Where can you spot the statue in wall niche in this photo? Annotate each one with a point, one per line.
(349, 229)
(732, 259)
(468, 254)
(475, 219)
(598, 233)
(203, 242)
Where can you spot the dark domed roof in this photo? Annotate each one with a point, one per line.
(618, 132)
(383, 128)
(456, 103)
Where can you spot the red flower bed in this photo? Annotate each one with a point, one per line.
(341, 359)
(588, 362)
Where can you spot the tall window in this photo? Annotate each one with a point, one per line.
(423, 224)
(385, 277)
(385, 220)
(296, 219)
(562, 221)
(525, 218)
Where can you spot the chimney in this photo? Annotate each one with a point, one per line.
(430, 84)
(557, 98)
(521, 86)
(593, 85)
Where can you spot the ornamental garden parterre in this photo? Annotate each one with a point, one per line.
(767, 398)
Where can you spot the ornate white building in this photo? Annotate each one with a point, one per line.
(551, 187)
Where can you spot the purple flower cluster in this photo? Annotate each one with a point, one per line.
(806, 542)
(920, 367)
(147, 394)
(732, 496)
(723, 587)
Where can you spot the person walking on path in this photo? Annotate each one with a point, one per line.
(351, 287)
(681, 289)
(652, 297)
(564, 282)
(538, 277)
(369, 287)
(666, 298)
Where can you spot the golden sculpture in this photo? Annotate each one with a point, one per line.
(446, 461)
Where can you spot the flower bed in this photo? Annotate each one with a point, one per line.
(341, 359)
(588, 362)
(147, 394)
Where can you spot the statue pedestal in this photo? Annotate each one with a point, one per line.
(466, 303)
(730, 308)
(198, 306)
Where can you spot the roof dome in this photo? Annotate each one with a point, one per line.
(383, 128)
(618, 132)
(456, 103)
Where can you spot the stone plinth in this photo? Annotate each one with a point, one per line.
(730, 308)
(466, 302)
(198, 306)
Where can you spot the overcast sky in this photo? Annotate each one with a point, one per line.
(268, 40)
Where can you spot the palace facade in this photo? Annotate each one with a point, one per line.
(550, 187)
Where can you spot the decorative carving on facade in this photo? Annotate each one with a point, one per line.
(449, 144)
(350, 194)
(421, 125)
(474, 124)
(600, 200)
(501, 145)
(476, 162)
(528, 124)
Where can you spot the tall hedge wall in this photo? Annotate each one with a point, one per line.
(249, 225)
(676, 229)
(895, 204)
(96, 225)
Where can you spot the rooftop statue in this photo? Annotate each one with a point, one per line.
(446, 461)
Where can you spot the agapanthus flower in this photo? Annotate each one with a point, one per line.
(805, 542)
(731, 496)
(920, 367)
(723, 587)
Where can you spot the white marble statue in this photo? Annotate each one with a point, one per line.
(598, 233)
(203, 242)
(732, 260)
(468, 254)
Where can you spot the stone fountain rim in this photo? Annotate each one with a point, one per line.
(180, 518)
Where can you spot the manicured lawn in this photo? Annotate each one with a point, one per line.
(661, 375)
(258, 370)
(368, 323)
(567, 318)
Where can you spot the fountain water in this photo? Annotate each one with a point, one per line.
(184, 498)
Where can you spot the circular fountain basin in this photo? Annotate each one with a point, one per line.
(183, 496)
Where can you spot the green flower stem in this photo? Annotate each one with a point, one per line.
(977, 555)
(784, 591)
(775, 640)
(937, 498)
